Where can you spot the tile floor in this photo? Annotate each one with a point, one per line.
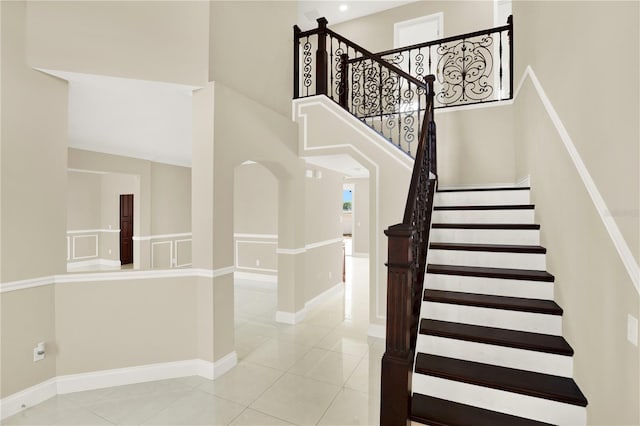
(323, 371)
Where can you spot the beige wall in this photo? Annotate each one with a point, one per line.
(83, 201)
(255, 219)
(28, 317)
(255, 200)
(156, 40)
(33, 159)
(125, 323)
(361, 222)
(323, 213)
(476, 146)
(557, 40)
(251, 46)
(375, 32)
(591, 285)
(599, 111)
(33, 197)
(170, 199)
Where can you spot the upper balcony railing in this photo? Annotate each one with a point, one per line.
(385, 97)
(470, 68)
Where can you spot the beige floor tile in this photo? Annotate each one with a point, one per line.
(277, 354)
(243, 384)
(197, 408)
(297, 399)
(251, 417)
(351, 407)
(326, 366)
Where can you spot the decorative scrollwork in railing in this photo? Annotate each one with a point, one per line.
(385, 97)
(464, 71)
(469, 69)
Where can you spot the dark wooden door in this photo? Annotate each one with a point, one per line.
(126, 229)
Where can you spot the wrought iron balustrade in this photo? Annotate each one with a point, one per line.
(382, 95)
(469, 68)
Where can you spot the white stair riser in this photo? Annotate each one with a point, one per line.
(491, 286)
(482, 198)
(540, 409)
(483, 216)
(485, 236)
(488, 259)
(488, 317)
(521, 359)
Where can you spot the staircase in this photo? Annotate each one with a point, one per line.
(473, 335)
(490, 349)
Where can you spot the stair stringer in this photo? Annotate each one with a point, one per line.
(327, 129)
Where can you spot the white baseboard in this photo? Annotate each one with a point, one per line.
(377, 330)
(26, 398)
(93, 262)
(34, 395)
(124, 376)
(290, 318)
(297, 317)
(224, 364)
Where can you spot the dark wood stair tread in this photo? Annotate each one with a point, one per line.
(440, 412)
(506, 188)
(502, 273)
(494, 248)
(537, 306)
(556, 388)
(497, 336)
(488, 207)
(510, 226)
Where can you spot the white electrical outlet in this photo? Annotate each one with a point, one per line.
(109, 251)
(38, 352)
(330, 274)
(632, 329)
(257, 262)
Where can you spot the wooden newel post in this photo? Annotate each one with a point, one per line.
(296, 62)
(344, 78)
(397, 361)
(321, 58)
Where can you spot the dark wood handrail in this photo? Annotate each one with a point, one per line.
(448, 39)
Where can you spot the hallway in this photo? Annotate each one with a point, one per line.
(325, 371)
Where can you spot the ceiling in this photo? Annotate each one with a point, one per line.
(341, 163)
(309, 11)
(134, 118)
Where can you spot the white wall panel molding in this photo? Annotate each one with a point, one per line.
(161, 236)
(154, 246)
(250, 241)
(74, 243)
(309, 246)
(609, 222)
(176, 256)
